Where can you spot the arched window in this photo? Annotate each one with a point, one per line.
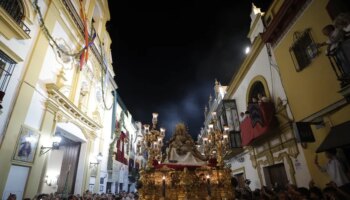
(14, 8)
(256, 88)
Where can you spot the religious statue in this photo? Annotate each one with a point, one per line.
(182, 148)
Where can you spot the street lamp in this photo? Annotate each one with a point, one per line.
(152, 141)
(99, 158)
(56, 140)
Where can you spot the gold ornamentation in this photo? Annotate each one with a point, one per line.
(186, 184)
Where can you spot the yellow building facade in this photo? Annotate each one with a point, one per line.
(49, 93)
(318, 94)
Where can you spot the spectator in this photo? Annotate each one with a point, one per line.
(12, 197)
(335, 169)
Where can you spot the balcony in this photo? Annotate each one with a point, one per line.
(228, 116)
(260, 121)
(11, 16)
(339, 58)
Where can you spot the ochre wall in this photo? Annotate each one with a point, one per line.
(316, 86)
(313, 88)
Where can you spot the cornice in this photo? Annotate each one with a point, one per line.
(252, 28)
(58, 102)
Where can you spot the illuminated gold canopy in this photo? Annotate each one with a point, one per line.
(184, 172)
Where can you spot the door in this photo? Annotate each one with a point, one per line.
(66, 180)
(275, 175)
(109, 187)
(240, 179)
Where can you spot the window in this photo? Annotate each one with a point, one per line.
(15, 9)
(303, 50)
(228, 115)
(7, 66)
(256, 89)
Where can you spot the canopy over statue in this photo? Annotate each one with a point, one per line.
(182, 149)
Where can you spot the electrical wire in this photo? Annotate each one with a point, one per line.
(53, 43)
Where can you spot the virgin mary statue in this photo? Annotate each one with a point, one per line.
(182, 149)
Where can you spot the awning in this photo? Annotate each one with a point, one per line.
(339, 136)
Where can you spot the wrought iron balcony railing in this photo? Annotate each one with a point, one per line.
(339, 58)
(15, 9)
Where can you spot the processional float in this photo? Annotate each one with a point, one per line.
(184, 171)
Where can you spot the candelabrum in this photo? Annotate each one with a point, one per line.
(216, 142)
(152, 141)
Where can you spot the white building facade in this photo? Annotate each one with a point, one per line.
(49, 94)
(275, 150)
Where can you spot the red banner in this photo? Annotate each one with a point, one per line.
(250, 131)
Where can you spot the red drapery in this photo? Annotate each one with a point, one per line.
(120, 149)
(250, 132)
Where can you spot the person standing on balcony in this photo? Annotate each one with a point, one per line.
(339, 47)
(342, 22)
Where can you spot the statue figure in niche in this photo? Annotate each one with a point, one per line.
(182, 148)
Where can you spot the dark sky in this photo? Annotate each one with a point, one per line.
(167, 54)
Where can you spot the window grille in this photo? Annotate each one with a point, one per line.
(7, 66)
(15, 9)
(303, 50)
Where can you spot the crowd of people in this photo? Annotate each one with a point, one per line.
(88, 195)
(337, 168)
(290, 192)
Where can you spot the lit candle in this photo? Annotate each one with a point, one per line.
(208, 185)
(163, 188)
(225, 137)
(155, 115)
(214, 115)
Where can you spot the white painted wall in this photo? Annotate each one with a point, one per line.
(302, 173)
(53, 170)
(36, 111)
(16, 181)
(263, 66)
(21, 48)
(250, 172)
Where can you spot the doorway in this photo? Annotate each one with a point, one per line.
(240, 179)
(68, 172)
(109, 187)
(275, 175)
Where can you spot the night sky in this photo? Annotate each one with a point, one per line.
(167, 54)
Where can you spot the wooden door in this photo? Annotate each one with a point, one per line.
(275, 175)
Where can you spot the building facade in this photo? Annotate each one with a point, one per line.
(124, 159)
(315, 77)
(254, 106)
(56, 99)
